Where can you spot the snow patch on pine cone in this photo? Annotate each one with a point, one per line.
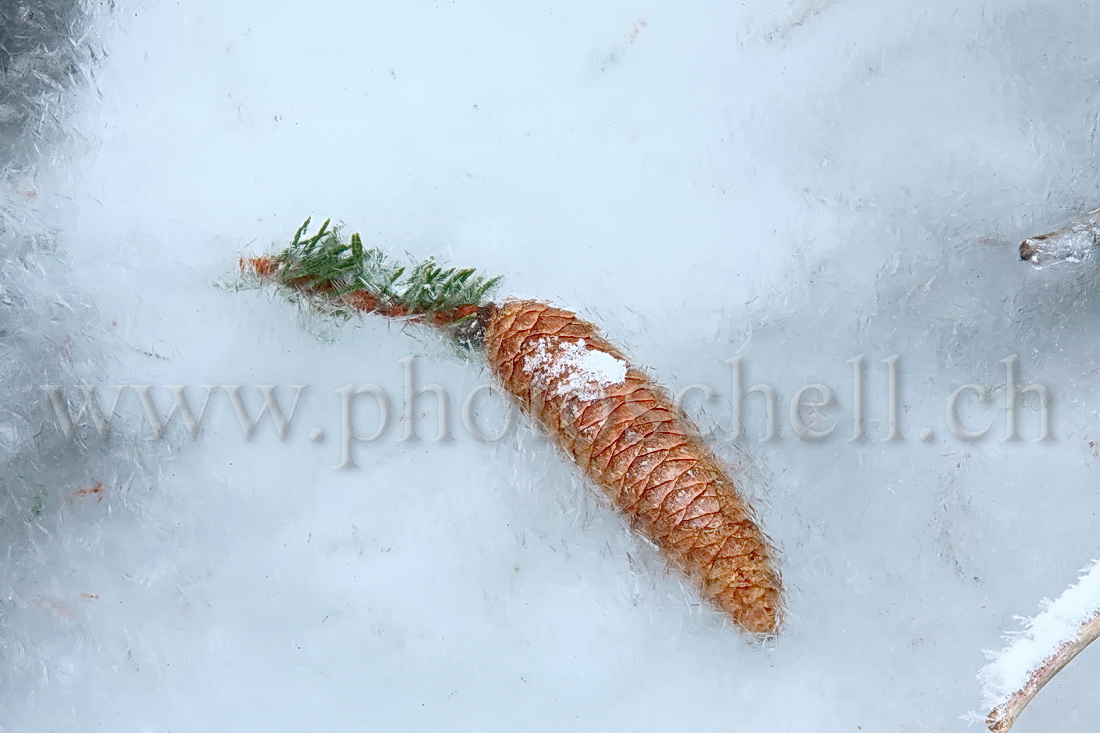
(580, 371)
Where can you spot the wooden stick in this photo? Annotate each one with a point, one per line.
(1004, 715)
(1075, 241)
(1049, 642)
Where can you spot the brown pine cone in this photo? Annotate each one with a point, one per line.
(627, 435)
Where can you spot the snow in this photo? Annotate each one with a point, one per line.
(798, 183)
(580, 371)
(1059, 623)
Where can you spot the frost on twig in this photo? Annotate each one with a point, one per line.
(1078, 240)
(1051, 640)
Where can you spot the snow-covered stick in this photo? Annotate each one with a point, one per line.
(1051, 640)
(1076, 241)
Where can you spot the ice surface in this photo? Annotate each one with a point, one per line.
(797, 183)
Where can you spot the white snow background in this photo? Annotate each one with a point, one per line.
(798, 183)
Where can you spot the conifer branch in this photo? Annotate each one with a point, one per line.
(345, 277)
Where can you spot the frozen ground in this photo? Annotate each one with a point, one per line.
(797, 183)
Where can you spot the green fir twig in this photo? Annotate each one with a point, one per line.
(345, 278)
(326, 264)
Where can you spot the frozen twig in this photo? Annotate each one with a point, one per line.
(1078, 240)
(1052, 639)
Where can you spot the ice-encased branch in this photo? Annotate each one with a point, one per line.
(1076, 241)
(1051, 640)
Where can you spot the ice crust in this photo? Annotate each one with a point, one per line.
(797, 183)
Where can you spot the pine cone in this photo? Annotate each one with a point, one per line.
(648, 458)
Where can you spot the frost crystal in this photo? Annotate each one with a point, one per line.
(581, 372)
